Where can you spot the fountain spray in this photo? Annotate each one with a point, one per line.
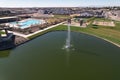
(67, 46)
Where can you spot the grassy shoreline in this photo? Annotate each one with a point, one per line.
(100, 33)
(106, 33)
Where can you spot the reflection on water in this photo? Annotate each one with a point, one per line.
(68, 59)
(4, 54)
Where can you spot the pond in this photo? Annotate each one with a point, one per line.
(44, 58)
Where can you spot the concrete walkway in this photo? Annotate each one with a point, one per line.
(17, 34)
(26, 36)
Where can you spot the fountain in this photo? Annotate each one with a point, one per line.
(68, 38)
(67, 46)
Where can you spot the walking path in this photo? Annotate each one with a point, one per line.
(26, 36)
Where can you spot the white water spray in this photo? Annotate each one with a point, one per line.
(68, 45)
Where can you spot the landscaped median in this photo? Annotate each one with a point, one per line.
(108, 34)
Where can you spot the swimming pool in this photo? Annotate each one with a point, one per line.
(26, 23)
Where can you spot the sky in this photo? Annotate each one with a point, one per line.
(58, 3)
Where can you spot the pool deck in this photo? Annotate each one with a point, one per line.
(24, 24)
(26, 36)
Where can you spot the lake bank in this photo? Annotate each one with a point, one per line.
(83, 30)
(91, 31)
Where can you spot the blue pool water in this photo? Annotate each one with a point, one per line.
(27, 23)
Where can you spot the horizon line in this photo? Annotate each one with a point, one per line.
(58, 6)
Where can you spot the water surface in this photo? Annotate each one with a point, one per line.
(44, 58)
